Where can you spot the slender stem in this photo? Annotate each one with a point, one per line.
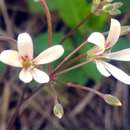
(70, 55)
(73, 67)
(76, 27)
(5, 38)
(74, 60)
(6, 18)
(5, 105)
(49, 22)
(54, 92)
(79, 24)
(30, 97)
(14, 116)
(86, 89)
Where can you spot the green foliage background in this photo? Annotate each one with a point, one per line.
(71, 13)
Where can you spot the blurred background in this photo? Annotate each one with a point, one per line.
(83, 111)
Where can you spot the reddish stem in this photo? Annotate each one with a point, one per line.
(49, 22)
(70, 55)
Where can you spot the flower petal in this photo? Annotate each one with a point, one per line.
(95, 51)
(102, 69)
(117, 73)
(10, 57)
(49, 55)
(123, 55)
(40, 76)
(25, 75)
(25, 45)
(98, 39)
(114, 33)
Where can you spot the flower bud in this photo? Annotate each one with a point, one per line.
(58, 110)
(115, 12)
(107, 7)
(112, 100)
(117, 5)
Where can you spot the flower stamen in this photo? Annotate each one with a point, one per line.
(26, 62)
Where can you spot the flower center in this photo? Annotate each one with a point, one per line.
(26, 62)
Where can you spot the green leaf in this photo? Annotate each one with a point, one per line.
(58, 110)
(100, 22)
(2, 68)
(41, 42)
(72, 11)
(36, 7)
(123, 43)
(112, 100)
(92, 72)
(77, 75)
(82, 74)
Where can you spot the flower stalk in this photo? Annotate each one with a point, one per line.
(70, 55)
(49, 22)
(85, 88)
(73, 67)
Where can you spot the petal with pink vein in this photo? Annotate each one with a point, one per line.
(114, 33)
(49, 55)
(122, 55)
(25, 45)
(98, 39)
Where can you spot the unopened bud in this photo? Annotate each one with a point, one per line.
(58, 110)
(107, 7)
(112, 100)
(117, 5)
(115, 12)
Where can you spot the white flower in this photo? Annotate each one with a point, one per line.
(100, 56)
(24, 58)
